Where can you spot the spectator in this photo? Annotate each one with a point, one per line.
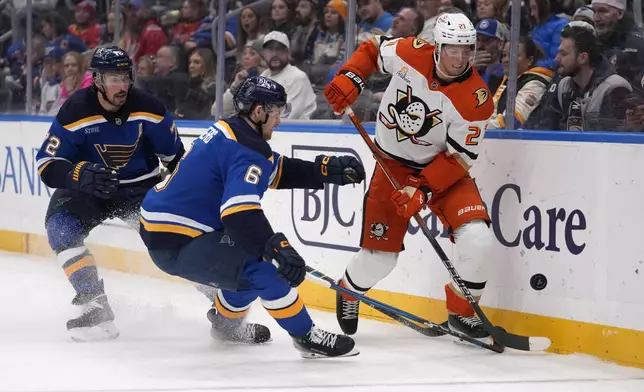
(143, 34)
(86, 27)
(169, 80)
(251, 27)
(531, 84)
(408, 22)
(330, 42)
(485, 9)
(75, 77)
(54, 28)
(590, 95)
(283, 17)
(192, 13)
(195, 102)
(145, 66)
(620, 40)
(584, 14)
(430, 9)
(546, 31)
(299, 92)
(252, 64)
(375, 20)
(50, 80)
(107, 31)
(303, 40)
(490, 38)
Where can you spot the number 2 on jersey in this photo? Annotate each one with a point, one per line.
(472, 137)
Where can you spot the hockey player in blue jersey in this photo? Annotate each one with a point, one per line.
(206, 223)
(102, 155)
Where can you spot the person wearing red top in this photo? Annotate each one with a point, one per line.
(86, 27)
(192, 12)
(144, 36)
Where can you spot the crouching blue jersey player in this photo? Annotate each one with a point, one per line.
(206, 224)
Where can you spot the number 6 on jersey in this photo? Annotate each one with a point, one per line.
(253, 174)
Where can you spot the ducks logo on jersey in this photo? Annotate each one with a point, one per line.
(411, 118)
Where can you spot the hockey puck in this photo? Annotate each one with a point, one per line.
(538, 282)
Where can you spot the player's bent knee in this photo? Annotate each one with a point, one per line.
(368, 267)
(64, 231)
(473, 244)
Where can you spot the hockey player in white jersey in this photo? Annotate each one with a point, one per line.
(430, 125)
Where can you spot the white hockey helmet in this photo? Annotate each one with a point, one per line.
(454, 29)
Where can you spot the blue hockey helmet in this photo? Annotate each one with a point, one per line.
(259, 90)
(111, 59)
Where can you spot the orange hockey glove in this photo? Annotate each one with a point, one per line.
(344, 89)
(412, 198)
(443, 172)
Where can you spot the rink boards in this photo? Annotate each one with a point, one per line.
(563, 205)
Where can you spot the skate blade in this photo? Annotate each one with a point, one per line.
(236, 342)
(97, 333)
(311, 355)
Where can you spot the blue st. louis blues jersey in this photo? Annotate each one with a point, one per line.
(226, 171)
(130, 141)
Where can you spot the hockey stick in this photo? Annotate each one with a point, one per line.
(501, 336)
(399, 315)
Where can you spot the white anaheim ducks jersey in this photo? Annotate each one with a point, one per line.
(418, 117)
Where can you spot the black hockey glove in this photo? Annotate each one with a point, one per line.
(92, 178)
(290, 264)
(340, 170)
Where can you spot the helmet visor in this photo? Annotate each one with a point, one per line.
(281, 110)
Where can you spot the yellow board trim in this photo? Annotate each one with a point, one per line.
(620, 345)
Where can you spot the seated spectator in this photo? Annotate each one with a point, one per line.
(145, 66)
(590, 96)
(75, 77)
(252, 64)
(531, 84)
(55, 29)
(430, 9)
(329, 47)
(584, 14)
(375, 20)
(283, 17)
(621, 41)
(143, 35)
(306, 32)
(86, 27)
(491, 36)
(297, 85)
(251, 28)
(50, 80)
(169, 80)
(546, 31)
(194, 103)
(192, 13)
(107, 31)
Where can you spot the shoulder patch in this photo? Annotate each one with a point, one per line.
(482, 95)
(417, 53)
(471, 98)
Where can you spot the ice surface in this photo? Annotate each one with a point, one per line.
(165, 346)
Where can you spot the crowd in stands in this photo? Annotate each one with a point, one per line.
(580, 62)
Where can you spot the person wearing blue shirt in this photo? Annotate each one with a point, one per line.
(101, 154)
(206, 223)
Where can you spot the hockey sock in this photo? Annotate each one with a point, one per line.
(456, 302)
(80, 267)
(287, 309)
(234, 304)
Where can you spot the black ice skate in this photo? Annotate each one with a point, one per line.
(96, 321)
(346, 311)
(470, 326)
(236, 330)
(319, 343)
